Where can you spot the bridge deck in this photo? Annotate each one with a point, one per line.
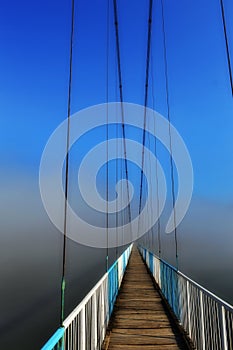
(140, 318)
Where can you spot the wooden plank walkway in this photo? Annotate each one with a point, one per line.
(140, 318)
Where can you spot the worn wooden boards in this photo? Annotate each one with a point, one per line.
(140, 319)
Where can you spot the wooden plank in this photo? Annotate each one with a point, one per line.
(145, 347)
(154, 332)
(140, 319)
(142, 340)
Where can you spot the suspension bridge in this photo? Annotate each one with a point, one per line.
(141, 302)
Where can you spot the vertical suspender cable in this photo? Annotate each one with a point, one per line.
(145, 99)
(63, 283)
(107, 136)
(150, 182)
(122, 108)
(117, 168)
(116, 174)
(156, 166)
(227, 45)
(169, 130)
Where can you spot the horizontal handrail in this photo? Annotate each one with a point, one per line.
(206, 318)
(78, 308)
(55, 339)
(206, 291)
(86, 325)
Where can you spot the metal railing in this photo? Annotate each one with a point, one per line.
(85, 327)
(207, 319)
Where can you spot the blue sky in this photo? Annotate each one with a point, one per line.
(34, 39)
(34, 75)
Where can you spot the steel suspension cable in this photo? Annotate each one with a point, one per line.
(145, 100)
(117, 162)
(156, 159)
(107, 138)
(169, 130)
(227, 45)
(150, 182)
(116, 174)
(63, 282)
(121, 101)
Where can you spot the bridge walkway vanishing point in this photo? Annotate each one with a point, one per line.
(141, 319)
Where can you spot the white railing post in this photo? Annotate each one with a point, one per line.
(82, 330)
(188, 309)
(159, 274)
(91, 316)
(94, 323)
(202, 321)
(223, 328)
(206, 327)
(102, 312)
(154, 268)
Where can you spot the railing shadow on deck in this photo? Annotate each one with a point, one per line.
(85, 327)
(207, 319)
